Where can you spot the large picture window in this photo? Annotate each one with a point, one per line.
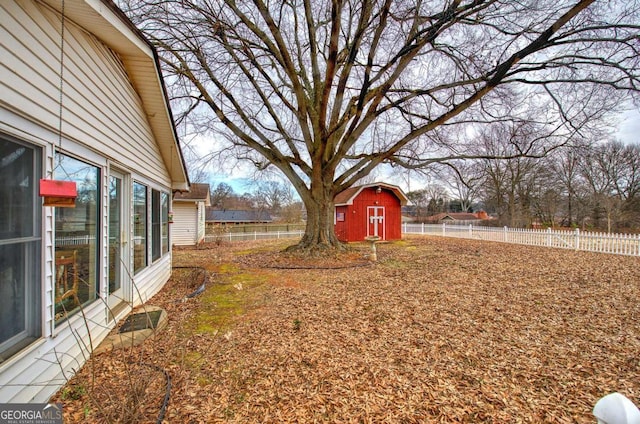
(77, 234)
(20, 246)
(139, 226)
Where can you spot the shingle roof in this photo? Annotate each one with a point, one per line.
(224, 215)
(454, 216)
(198, 192)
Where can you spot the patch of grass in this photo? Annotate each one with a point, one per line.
(296, 324)
(228, 268)
(226, 299)
(203, 380)
(74, 392)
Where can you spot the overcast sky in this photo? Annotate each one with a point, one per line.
(629, 131)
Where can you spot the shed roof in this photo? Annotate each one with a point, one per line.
(453, 216)
(347, 196)
(197, 193)
(237, 216)
(106, 21)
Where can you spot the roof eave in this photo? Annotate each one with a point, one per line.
(107, 22)
(404, 200)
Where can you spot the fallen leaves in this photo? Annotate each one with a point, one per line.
(438, 330)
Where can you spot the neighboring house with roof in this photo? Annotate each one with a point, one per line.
(236, 217)
(188, 225)
(103, 144)
(369, 210)
(458, 218)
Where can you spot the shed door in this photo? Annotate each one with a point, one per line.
(375, 221)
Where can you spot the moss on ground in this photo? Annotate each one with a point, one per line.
(226, 298)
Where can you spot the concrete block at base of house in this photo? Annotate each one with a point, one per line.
(142, 323)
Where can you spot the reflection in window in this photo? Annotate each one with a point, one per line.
(139, 226)
(164, 205)
(155, 224)
(76, 232)
(20, 217)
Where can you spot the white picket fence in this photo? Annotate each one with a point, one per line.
(74, 240)
(619, 244)
(210, 238)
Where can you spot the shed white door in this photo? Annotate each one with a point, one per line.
(185, 224)
(375, 221)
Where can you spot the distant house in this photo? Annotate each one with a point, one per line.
(461, 218)
(104, 145)
(189, 215)
(236, 217)
(369, 210)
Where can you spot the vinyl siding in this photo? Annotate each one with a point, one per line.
(200, 222)
(100, 105)
(103, 122)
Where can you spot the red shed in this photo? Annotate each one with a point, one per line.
(369, 210)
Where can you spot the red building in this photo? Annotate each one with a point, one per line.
(369, 210)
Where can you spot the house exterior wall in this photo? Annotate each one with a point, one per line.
(201, 221)
(104, 125)
(341, 223)
(185, 224)
(356, 220)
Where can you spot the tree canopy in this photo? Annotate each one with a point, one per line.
(327, 91)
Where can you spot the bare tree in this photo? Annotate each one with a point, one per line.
(327, 91)
(464, 179)
(611, 172)
(508, 184)
(628, 184)
(272, 196)
(565, 168)
(220, 194)
(428, 201)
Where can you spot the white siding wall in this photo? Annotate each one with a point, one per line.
(100, 106)
(201, 223)
(104, 123)
(184, 230)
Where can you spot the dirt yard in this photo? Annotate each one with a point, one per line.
(438, 330)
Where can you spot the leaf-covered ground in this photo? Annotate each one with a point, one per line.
(438, 330)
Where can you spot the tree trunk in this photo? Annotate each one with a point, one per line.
(319, 233)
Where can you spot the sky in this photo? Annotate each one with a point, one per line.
(241, 182)
(629, 129)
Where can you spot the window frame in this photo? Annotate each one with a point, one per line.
(156, 225)
(165, 200)
(30, 250)
(145, 222)
(97, 236)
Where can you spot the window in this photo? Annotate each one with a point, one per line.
(159, 223)
(20, 241)
(155, 225)
(139, 226)
(77, 233)
(164, 206)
